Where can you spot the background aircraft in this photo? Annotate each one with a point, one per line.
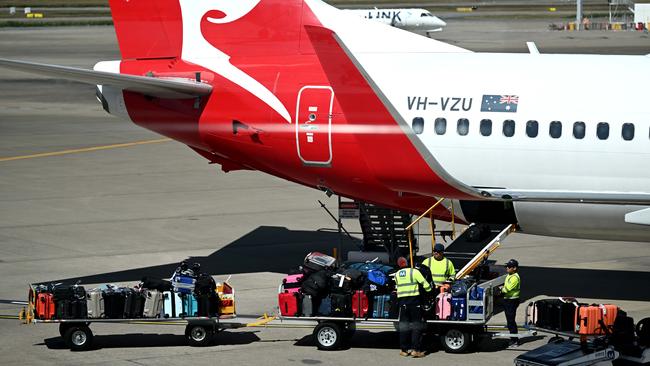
(419, 21)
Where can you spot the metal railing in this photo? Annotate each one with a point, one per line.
(429, 212)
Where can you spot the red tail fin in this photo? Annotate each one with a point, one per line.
(148, 29)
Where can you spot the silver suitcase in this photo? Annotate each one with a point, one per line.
(153, 303)
(95, 304)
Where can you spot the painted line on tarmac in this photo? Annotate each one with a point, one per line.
(14, 302)
(11, 317)
(87, 149)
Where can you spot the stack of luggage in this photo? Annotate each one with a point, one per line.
(190, 293)
(367, 290)
(569, 315)
(321, 288)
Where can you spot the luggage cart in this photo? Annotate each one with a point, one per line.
(199, 331)
(456, 336)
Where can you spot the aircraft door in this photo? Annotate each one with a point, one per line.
(314, 125)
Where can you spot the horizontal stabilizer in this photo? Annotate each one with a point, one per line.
(170, 88)
(641, 217)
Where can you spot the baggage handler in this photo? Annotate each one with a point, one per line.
(411, 319)
(441, 268)
(510, 291)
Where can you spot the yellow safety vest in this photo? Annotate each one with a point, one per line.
(407, 281)
(512, 286)
(440, 270)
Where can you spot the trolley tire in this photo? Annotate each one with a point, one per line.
(198, 335)
(328, 336)
(63, 327)
(556, 339)
(455, 341)
(78, 337)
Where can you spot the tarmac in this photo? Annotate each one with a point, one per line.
(86, 196)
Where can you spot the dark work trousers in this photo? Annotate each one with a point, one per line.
(411, 323)
(510, 309)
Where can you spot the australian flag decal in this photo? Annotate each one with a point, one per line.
(499, 103)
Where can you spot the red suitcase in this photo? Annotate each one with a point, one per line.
(44, 306)
(360, 304)
(288, 303)
(587, 319)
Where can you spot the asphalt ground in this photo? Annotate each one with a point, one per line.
(139, 205)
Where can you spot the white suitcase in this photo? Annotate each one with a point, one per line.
(172, 305)
(153, 304)
(95, 304)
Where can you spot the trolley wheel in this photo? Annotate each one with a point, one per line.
(556, 339)
(78, 337)
(329, 336)
(455, 341)
(198, 335)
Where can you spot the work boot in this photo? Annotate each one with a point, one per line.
(417, 354)
(405, 353)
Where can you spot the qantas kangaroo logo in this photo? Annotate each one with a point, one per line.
(197, 50)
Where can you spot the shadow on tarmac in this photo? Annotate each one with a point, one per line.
(136, 340)
(278, 249)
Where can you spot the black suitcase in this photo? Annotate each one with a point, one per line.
(70, 302)
(133, 304)
(316, 285)
(555, 314)
(114, 303)
(341, 304)
(207, 304)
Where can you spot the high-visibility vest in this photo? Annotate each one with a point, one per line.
(512, 286)
(407, 281)
(440, 270)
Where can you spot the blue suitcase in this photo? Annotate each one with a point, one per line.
(183, 284)
(325, 307)
(190, 306)
(381, 306)
(458, 308)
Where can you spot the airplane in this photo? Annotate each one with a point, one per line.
(320, 97)
(419, 21)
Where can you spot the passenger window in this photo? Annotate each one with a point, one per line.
(440, 126)
(463, 126)
(628, 131)
(532, 128)
(602, 130)
(579, 129)
(508, 128)
(486, 127)
(418, 125)
(555, 129)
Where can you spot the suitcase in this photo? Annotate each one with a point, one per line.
(360, 304)
(317, 284)
(70, 302)
(292, 283)
(207, 305)
(381, 306)
(113, 303)
(443, 306)
(555, 314)
(325, 306)
(183, 284)
(307, 306)
(44, 306)
(133, 303)
(531, 313)
(95, 304)
(156, 284)
(341, 304)
(153, 304)
(288, 303)
(587, 319)
(609, 313)
(190, 306)
(316, 261)
(458, 308)
(172, 305)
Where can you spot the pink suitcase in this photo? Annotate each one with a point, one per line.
(292, 283)
(443, 306)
